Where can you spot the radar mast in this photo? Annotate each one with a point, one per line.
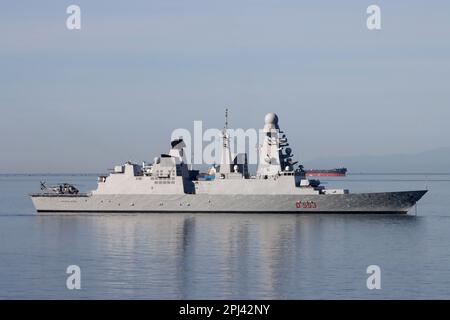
(225, 163)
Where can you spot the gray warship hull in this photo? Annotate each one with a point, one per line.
(383, 202)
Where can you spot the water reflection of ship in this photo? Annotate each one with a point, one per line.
(241, 251)
(187, 256)
(184, 256)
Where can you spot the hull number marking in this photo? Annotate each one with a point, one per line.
(306, 205)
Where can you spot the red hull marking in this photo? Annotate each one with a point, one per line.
(305, 205)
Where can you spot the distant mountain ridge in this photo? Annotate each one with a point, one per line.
(432, 161)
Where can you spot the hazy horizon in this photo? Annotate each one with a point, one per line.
(82, 101)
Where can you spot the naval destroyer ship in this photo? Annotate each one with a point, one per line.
(168, 185)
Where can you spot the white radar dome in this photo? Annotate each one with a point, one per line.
(271, 118)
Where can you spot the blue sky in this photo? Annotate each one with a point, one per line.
(77, 101)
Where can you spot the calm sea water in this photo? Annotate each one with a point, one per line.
(219, 256)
